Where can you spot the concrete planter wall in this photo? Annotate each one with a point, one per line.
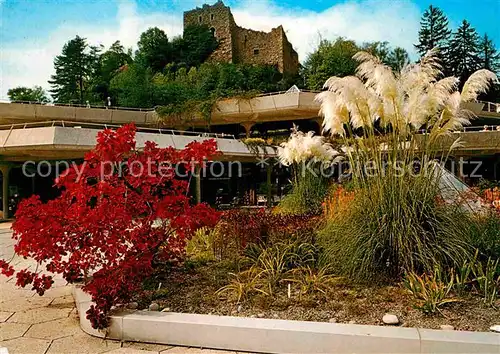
(281, 336)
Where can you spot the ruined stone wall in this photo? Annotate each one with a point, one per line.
(256, 47)
(241, 45)
(219, 19)
(290, 57)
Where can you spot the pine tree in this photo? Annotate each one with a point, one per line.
(488, 55)
(489, 58)
(434, 34)
(464, 51)
(74, 68)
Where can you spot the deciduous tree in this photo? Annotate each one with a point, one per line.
(34, 94)
(330, 59)
(155, 51)
(120, 215)
(398, 58)
(197, 43)
(108, 66)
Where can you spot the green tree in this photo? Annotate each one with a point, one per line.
(133, 87)
(34, 94)
(488, 54)
(197, 43)
(464, 51)
(155, 51)
(434, 32)
(109, 65)
(489, 58)
(379, 49)
(397, 59)
(74, 69)
(330, 59)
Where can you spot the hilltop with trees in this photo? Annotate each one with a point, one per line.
(174, 74)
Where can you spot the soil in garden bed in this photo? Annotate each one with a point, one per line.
(192, 290)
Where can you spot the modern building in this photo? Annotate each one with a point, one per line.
(36, 132)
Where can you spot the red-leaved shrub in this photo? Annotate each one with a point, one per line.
(241, 227)
(118, 216)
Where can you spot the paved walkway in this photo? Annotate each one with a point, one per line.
(48, 324)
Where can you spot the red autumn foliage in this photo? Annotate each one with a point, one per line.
(114, 221)
(262, 226)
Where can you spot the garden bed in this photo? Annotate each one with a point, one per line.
(192, 289)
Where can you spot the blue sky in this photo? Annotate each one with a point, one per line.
(32, 32)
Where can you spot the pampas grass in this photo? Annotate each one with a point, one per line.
(396, 222)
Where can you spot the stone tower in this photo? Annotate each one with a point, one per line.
(241, 45)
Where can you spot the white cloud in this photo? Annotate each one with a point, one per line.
(29, 63)
(363, 21)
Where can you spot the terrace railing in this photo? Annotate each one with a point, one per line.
(79, 125)
(490, 107)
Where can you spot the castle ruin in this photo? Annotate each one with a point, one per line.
(241, 45)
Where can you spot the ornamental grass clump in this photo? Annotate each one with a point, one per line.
(393, 129)
(308, 155)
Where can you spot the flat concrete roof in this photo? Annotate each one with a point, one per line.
(25, 113)
(474, 143)
(271, 107)
(54, 143)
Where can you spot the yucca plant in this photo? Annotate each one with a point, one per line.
(462, 276)
(392, 127)
(431, 291)
(243, 285)
(487, 279)
(311, 280)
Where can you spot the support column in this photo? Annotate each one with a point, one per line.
(496, 170)
(33, 185)
(269, 170)
(197, 185)
(5, 169)
(319, 122)
(248, 128)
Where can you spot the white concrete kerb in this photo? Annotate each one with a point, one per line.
(280, 336)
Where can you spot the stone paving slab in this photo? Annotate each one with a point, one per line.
(55, 329)
(130, 351)
(24, 345)
(82, 343)
(12, 330)
(155, 348)
(39, 315)
(4, 315)
(49, 324)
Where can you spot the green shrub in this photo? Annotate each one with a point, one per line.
(201, 247)
(395, 225)
(485, 234)
(307, 195)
